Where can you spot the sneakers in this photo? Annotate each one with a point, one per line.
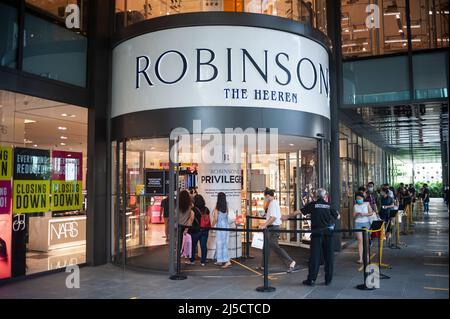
(308, 282)
(292, 267)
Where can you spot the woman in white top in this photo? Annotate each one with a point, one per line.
(361, 213)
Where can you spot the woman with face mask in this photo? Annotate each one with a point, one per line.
(361, 213)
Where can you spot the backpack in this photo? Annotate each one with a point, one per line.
(205, 221)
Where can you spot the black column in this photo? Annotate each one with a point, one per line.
(100, 19)
(334, 33)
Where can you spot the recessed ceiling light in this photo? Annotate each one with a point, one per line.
(72, 115)
(290, 144)
(63, 144)
(64, 114)
(152, 148)
(62, 128)
(64, 137)
(35, 145)
(28, 121)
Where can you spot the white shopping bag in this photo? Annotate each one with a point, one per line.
(258, 240)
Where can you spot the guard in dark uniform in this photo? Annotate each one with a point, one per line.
(323, 219)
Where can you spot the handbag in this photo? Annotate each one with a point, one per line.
(258, 240)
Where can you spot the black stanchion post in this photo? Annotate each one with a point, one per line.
(247, 236)
(178, 275)
(365, 261)
(266, 287)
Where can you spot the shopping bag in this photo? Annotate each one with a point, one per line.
(258, 240)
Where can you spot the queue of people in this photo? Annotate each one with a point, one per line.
(369, 205)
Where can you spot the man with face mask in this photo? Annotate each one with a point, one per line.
(371, 196)
(323, 219)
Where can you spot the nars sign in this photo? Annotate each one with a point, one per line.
(220, 66)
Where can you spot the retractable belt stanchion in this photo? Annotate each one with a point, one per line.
(365, 238)
(178, 275)
(247, 236)
(266, 287)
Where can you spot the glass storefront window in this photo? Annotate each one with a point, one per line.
(47, 142)
(54, 52)
(309, 12)
(63, 12)
(360, 39)
(8, 35)
(430, 71)
(376, 80)
(139, 224)
(429, 24)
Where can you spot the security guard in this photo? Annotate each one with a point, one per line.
(323, 218)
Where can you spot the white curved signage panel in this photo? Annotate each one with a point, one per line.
(230, 66)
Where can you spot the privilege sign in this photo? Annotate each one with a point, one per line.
(211, 66)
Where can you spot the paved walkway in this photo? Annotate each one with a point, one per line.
(419, 270)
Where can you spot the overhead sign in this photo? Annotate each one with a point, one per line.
(211, 66)
(5, 163)
(31, 189)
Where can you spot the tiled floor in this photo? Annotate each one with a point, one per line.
(419, 270)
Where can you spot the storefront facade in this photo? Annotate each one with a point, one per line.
(271, 82)
(94, 95)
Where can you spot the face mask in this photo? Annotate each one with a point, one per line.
(370, 189)
(359, 201)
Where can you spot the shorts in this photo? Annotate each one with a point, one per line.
(362, 225)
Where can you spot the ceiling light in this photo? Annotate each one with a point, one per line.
(290, 144)
(64, 137)
(64, 114)
(35, 145)
(63, 144)
(62, 128)
(72, 115)
(69, 155)
(152, 148)
(28, 121)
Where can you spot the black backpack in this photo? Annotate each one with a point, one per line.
(3, 250)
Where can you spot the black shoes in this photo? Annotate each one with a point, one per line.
(327, 283)
(308, 282)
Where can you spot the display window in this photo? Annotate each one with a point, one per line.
(141, 184)
(43, 148)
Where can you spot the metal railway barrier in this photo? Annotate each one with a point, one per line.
(266, 287)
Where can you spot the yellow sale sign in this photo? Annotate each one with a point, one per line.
(31, 196)
(5, 163)
(67, 195)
